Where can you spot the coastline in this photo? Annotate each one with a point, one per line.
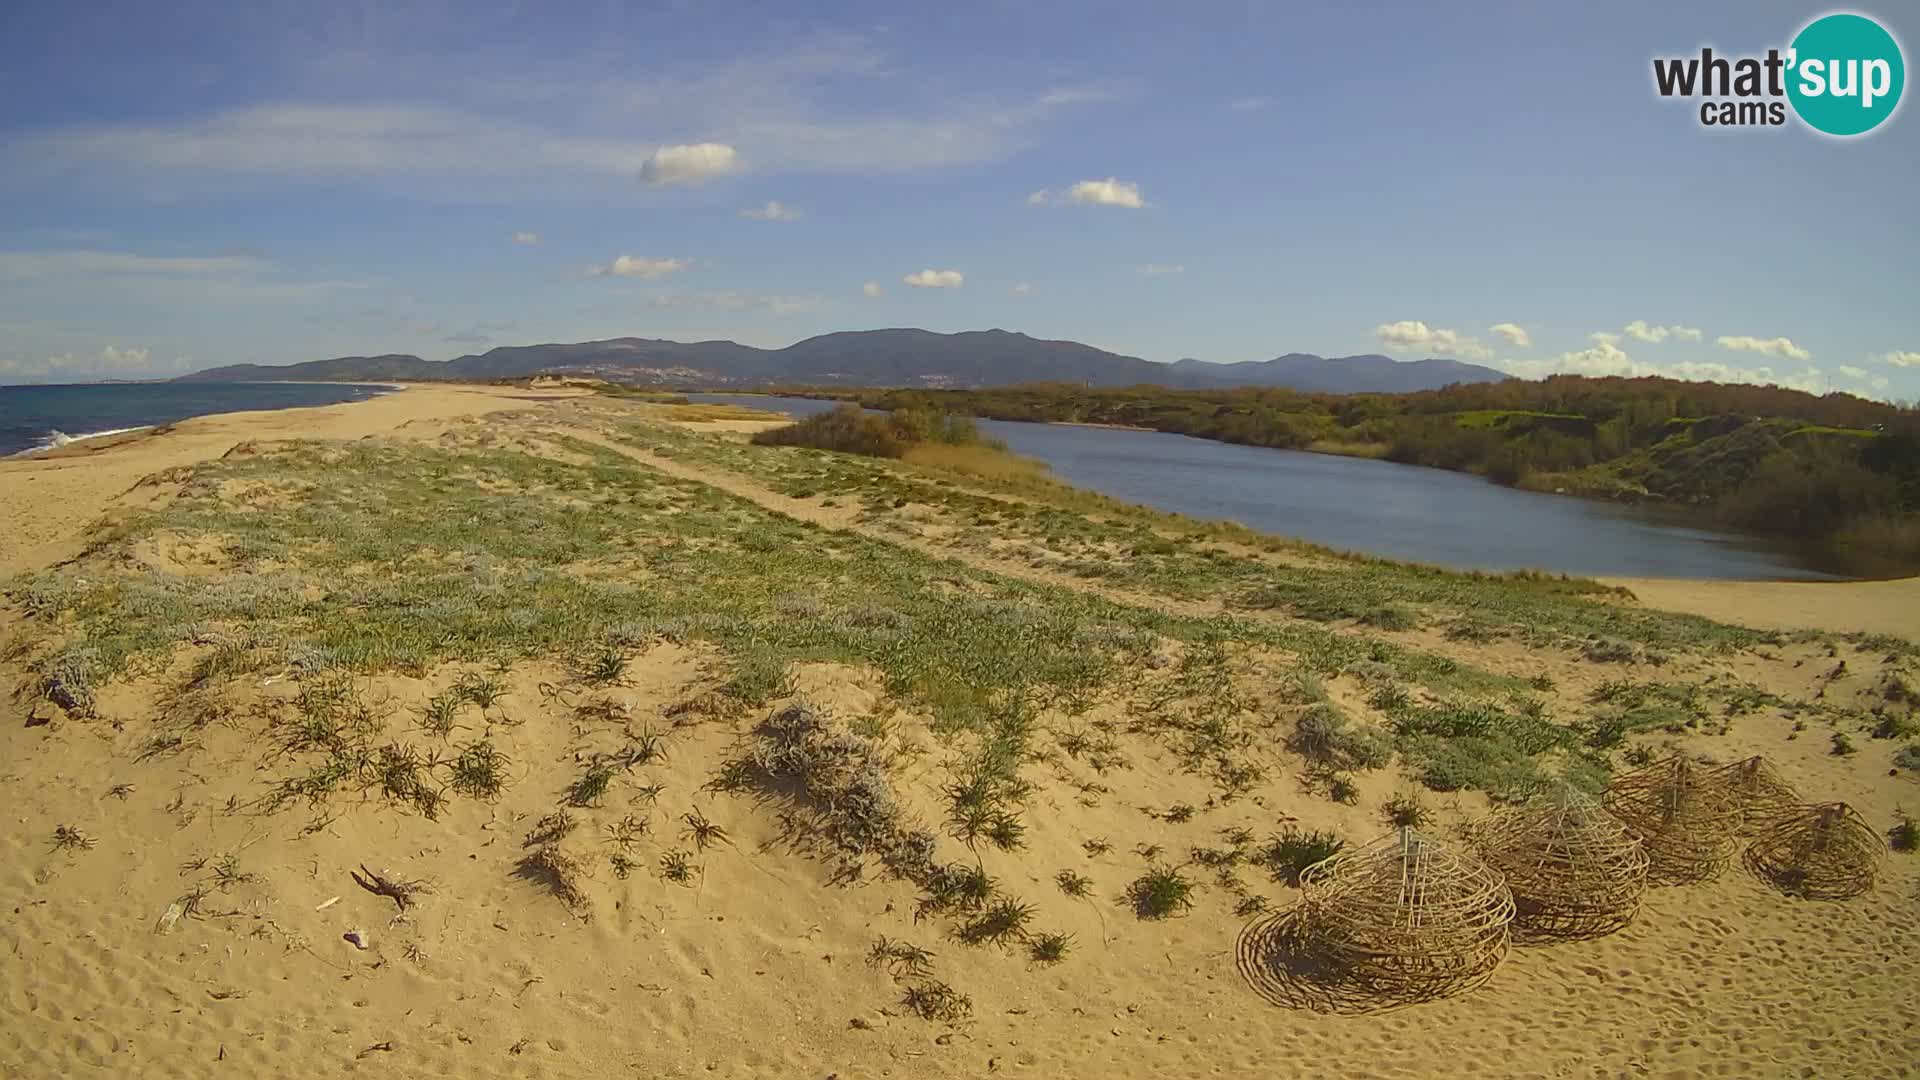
(52, 497)
(60, 440)
(55, 440)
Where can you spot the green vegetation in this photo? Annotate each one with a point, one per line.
(935, 1000)
(677, 866)
(1293, 849)
(1001, 921)
(1478, 744)
(1905, 834)
(1084, 535)
(1322, 735)
(850, 430)
(1404, 811)
(902, 959)
(1627, 708)
(68, 838)
(1838, 472)
(1049, 948)
(1160, 892)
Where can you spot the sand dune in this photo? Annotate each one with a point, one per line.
(758, 963)
(49, 498)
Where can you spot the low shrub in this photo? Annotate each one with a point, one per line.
(1905, 834)
(1293, 849)
(1160, 892)
(1390, 617)
(1403, 811)
(1322, 735)
(846, 429)
(851, 430)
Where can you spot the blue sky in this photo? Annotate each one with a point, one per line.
(196, 184)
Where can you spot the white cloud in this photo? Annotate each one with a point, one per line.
(639, 266)
(1862, 375)
(1108, 192)
(1778, 346)
(1511, 333)
(1640, 331)
(36, 264)
(1606, 358)
(870, 289)
(773, 211)
(1156, 269)
(1024, 288)
(111, 362)
(935, 279)
(1412, 335)
(528, 238)
(695, 163)
(128, 358)
(1902, 359)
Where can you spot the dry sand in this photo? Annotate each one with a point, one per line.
(1875, 607)
(756, 969)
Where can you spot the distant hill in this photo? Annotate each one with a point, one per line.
(1366, 373)
(898, 357)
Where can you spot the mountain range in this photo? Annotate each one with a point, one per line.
(899, 357)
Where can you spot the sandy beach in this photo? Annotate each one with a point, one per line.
(193, 924)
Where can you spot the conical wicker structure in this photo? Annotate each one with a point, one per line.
(1685, 821)
(1575, 870)
(1762, 793)
(1824, 852)
(1406, 919)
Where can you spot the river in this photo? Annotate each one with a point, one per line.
(1406, 512)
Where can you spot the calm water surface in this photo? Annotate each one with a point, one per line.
(36, 417)
(1400, 511)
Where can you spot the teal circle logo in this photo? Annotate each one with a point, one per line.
(1845, 74)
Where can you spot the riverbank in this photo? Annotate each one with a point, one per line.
(1380, 508)
(1832, 474)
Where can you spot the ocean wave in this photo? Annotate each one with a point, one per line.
(56, 439)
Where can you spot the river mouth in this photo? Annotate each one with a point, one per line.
(1382, 508)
